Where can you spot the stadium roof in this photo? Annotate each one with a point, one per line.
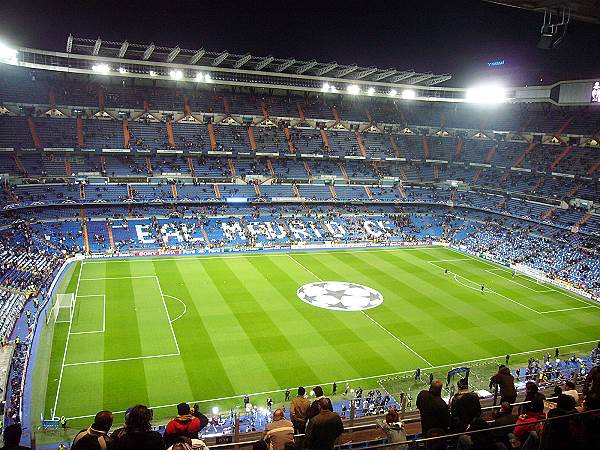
(584, 10)
(267, 64)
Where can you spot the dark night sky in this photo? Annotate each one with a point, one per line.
(457, 36)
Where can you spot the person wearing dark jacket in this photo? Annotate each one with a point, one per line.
(324, 428)
(96, 436)
(434, 410)
(464, 407)
(137, 433)
(187, 424)
(504, 417)
(12, 438)
(314, 407)
(506, 383)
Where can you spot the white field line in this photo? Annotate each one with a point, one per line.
(368, 316)
(62, 367)
(493, 272)
(566, 309)
(117, 278)
(184, 307)
(103, 330)
(133, 358)
(449, 260)
(486, 289)
(168, 316)
(282, 253)
(351, 380)
(550, 286)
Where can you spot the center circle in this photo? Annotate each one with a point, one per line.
(340, 296)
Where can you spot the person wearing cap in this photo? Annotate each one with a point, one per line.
(279, 432)
(185, 424)
(96, 436)
(464, 407)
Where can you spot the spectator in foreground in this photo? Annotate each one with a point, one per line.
(562, 434)
(137, 433)
(484, 440)
(96, 436)
(531, 392)
(434, 410)
(314, 407)
(527, 426)
(184, 443)
(503, 417)
(506, 383)
(279, 432)
(464, 407)
(185, 424)
(393, 429)
(299, 411)
(12, 438)
(324, 428)
(571, 391)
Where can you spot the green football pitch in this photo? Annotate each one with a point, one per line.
(211, 329)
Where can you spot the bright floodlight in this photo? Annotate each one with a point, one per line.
(101, 68)
(207, 78)
(7, 54)
(215, 410)
(333, 89)
(199, 76)
(353, 89)
(408, 94)
(122, 70)
(152, 73)
(176, 74)
(486, 94)
(325, 87)
(393, 93)
(371, 90)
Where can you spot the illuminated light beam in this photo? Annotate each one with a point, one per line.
(243, 60)
(196, 56)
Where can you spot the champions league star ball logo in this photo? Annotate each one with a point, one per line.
(340, 296)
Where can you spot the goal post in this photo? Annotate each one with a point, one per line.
(62, 309)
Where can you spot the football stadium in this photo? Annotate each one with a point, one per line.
(201, 248)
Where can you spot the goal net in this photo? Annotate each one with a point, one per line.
(538, 275)
(62, 309)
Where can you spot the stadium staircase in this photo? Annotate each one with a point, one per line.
(491, 153)
(217, 191)
(361, 144)
(68, 167)
(82, 192)
(211, 135)
(426, 152)
(548, 213)
(226, 106)
(523, 155)
(34, 135)
(20, 166)
(84, 229)
(295, 189)
(459, 148)
(307, 168)
(80, 138)
(206, 240)
(190, 164)
(301, 112)
(403, 174)
(395, 146)
(594, 167)
(560, 157)
(343, 170)
(126, 134)
(174, 191)
(477, 175)
(401, 190)
(252, 140)
(288, 138)
(584, 219)
(264, 109)
(231, 167)
(368, 192)
(257, 190)
(170, 133)
(149, 166)
(325, 141)
(111, 238)
(333, 193)
(574, 190)
(270, 167)
(335, 114)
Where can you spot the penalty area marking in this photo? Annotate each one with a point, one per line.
(352, 380)
(184, 307)
(493, 272)
(103, 330)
